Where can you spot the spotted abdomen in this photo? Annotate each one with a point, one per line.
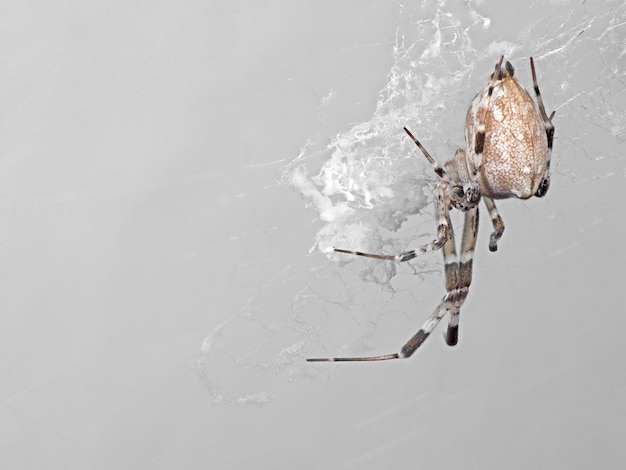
(510, 149)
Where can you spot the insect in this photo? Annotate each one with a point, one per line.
(509, 144)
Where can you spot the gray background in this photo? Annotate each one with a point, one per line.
(162, 271)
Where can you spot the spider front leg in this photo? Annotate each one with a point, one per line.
(453, 277)
(464, 266)
(479, 141)
(444, 231)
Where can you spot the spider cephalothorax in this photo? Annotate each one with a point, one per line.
(509, 143)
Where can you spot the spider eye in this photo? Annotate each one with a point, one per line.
(458, 193)
(543, 187)
(472, 195)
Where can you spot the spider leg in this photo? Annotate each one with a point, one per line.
(448, 302)
(411, 345)
(452, 272)
(480, 135)
(464, 268)
(440, 171)
(547, 121)
(444, 232)
(496, 220)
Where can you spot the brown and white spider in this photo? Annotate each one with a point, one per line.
(509, 143)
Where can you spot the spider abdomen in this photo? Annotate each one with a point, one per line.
(512, 154)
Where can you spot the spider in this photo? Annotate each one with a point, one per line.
(509, 143)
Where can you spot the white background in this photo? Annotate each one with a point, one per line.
(158, 290)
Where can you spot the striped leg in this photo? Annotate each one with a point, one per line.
(496, 220)
(444, 231)
(548, 126)
(470, 231)
(451, 270)
(547, 120)
(452, 282)
(480, 135)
